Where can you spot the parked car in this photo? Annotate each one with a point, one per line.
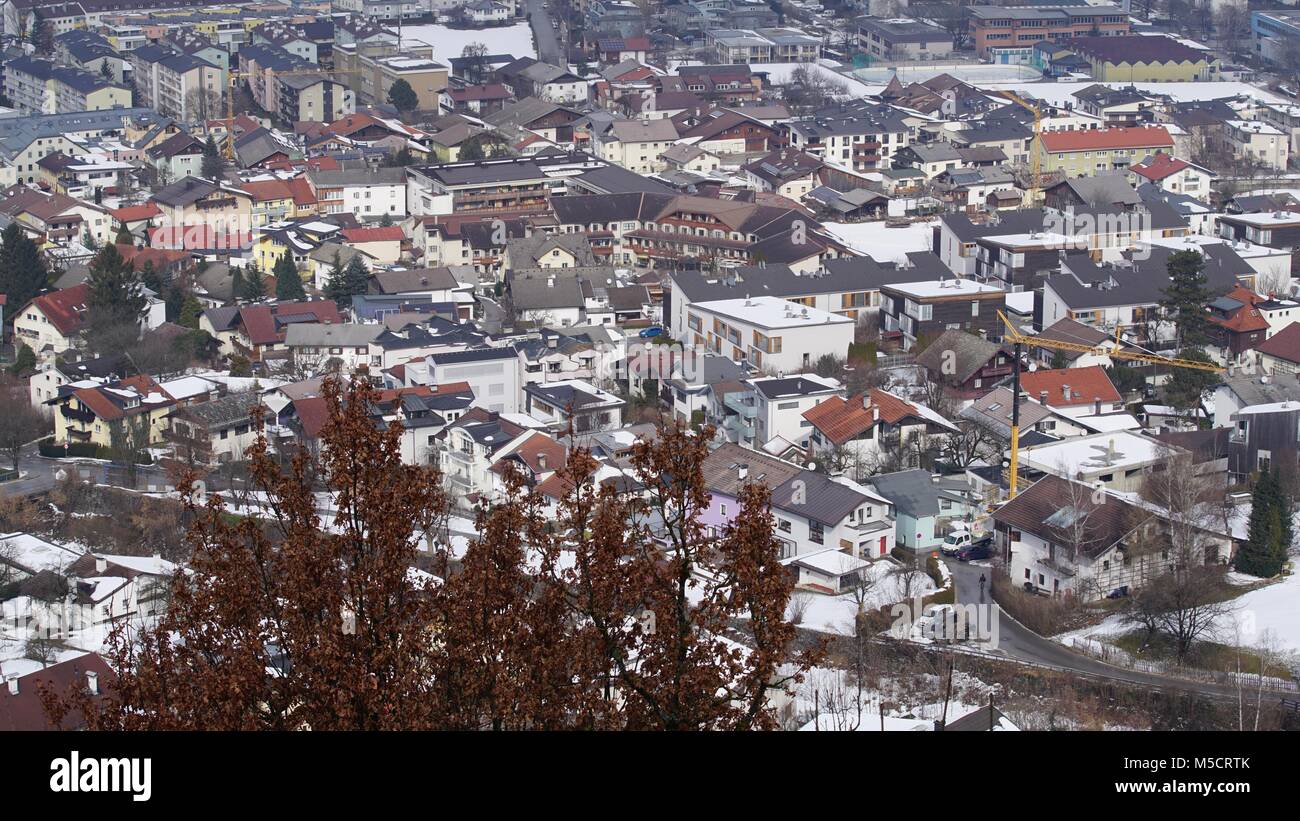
(981, 549)
(651, 332)
(1118, 593)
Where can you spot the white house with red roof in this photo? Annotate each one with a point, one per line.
(1169, 173)
(383, 242)
(52, 323)
(857, 434)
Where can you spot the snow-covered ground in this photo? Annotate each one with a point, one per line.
(1058, 93)
(837, 614)
(880, 242)
(779, 74)
(1274, 608)
(516, 40)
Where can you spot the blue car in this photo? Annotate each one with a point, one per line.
(649, 333)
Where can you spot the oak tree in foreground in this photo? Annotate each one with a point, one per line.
(617, 609)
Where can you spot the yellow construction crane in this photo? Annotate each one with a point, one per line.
(1035, 154)
(234, 80)
(1018, 339)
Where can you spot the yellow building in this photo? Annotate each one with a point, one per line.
(1086, 153)
(1145, 59)
(131, 413)
(371, 74)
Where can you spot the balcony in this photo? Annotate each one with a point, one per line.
(85, 417)
(744, 407)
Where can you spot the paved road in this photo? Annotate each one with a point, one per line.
(40, 474)
(548, 44)
(1019, 642)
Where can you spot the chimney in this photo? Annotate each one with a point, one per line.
(742, 471)
(541, 461)
(1042, 397)
(92, 682)
(101, 565)
(13, 686)
(866, 401)
(1065, 391)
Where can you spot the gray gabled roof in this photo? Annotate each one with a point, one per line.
(912, 491)
(330, 336)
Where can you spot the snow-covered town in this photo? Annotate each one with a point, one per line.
(607, 364)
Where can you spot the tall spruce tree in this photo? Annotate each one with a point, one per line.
(347, 281)
(288, 283)
(23, 272)
(254, 285)
(1185, 298)
(1264, 551)
(213, 166)
(116, 303)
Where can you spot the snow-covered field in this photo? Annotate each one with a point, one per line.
(516, 40)
(1276, 609)
(1058, 93)
(880, 242)
(779, 74)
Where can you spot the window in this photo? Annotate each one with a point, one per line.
(816, 533)
(783, 525)
(722, 508)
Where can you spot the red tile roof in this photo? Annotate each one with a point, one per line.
(842, 419)
(1247, 318)
(26, 710)
(135, 213)
(1285, 344)
(1087, 385)
(65, 309)
(1138, 137)
(1162, 165)
(313, 413)
(391, 233)
(267, 190)
(540, 452)
(259, 320)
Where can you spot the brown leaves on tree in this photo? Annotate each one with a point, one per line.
(619, 609)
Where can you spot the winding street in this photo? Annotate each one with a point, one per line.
(1019, 642)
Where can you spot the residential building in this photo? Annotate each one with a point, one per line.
(916, 309)
(51, 324)
(131, 412)
(37, 86)
(1056, 540)
(1086, 153)
(771, 334)
(813, 513)
(573, 405)
(217, 431)
(178, 84)
(966, 363)
(873, 432)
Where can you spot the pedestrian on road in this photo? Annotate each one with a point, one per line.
(982, 581)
